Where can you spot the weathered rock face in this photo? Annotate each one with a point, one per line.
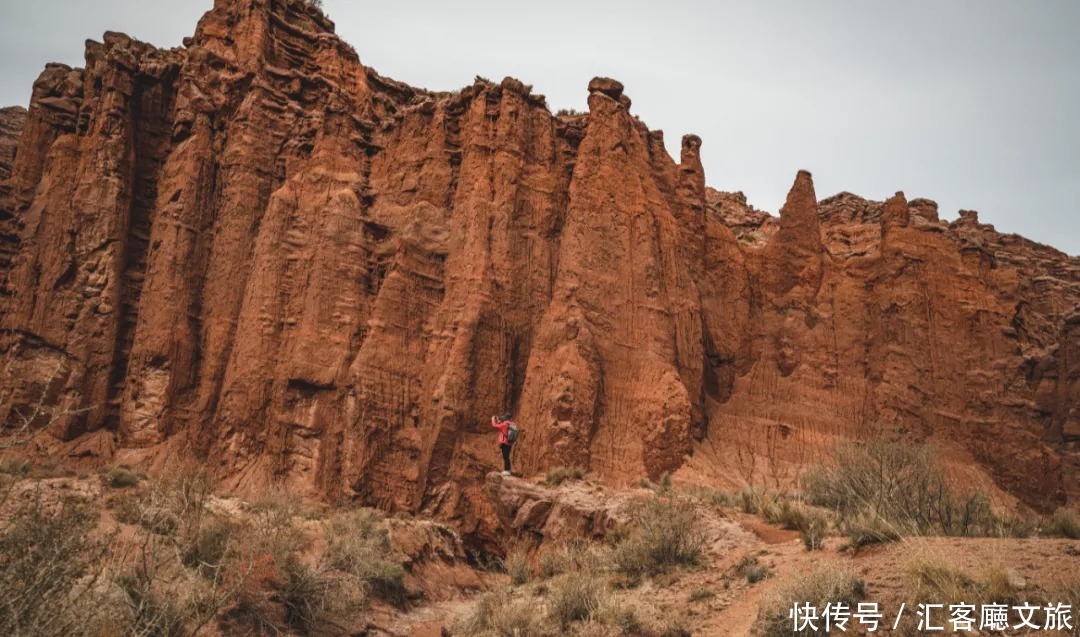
(258, 251)
(12, 120)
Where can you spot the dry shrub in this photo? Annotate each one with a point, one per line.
(829, 583)
(50, 571)
(499, 613)
(358, 544)
(181, 570)
(570, 556)
(867, 528)
(121, 477)
(208, 548)
(1067, 593)
(557, 475)
(714, 497)
(15, 466)
(577, 597)
(931, 577)
(752, 569)
(151, 612)
(1063, 523)
(1015, 526)
(666, 533)
(701, 594)
(795, 515)
(751, 500)
(902, 485)
(517, 567)
(304, 591)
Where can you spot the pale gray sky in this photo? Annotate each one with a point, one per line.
(972, 103)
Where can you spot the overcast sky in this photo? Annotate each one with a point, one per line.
(972, 103)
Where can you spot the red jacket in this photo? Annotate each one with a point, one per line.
(504, 428)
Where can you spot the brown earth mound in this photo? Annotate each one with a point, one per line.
(259, 252)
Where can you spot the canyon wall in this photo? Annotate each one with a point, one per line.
(255, 251)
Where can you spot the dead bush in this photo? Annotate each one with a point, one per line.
(752, 569)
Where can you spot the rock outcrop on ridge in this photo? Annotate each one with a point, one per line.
(259, 252)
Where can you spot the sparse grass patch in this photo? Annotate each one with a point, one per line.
(933, 578)
(714, 497)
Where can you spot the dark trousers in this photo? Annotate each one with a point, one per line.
(505, 449)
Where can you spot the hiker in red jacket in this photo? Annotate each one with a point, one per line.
(503, 424)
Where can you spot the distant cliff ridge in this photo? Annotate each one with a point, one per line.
(256, 251)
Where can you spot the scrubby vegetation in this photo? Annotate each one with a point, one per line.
(899, 487)
(578, 580)
(175, 562)
(358, 544)
(50, 570)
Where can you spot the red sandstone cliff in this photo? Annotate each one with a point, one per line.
(258, 251)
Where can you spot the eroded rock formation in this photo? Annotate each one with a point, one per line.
(255, 250)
